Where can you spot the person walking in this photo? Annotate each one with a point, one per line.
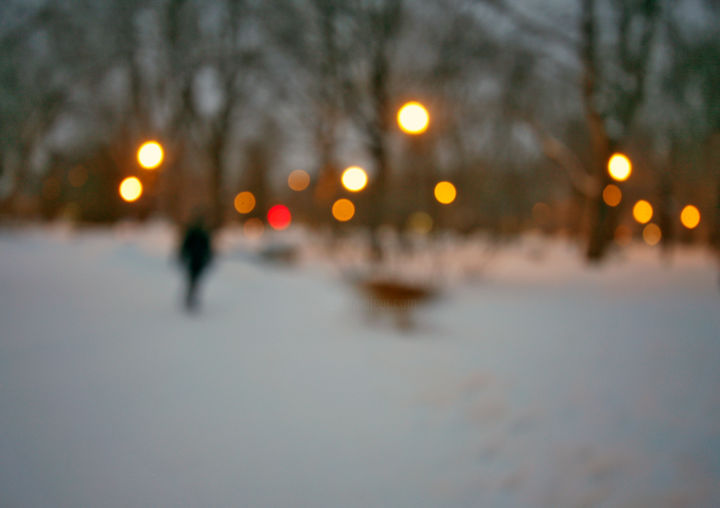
(195, 256)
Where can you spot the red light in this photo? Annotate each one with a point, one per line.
(279, 217)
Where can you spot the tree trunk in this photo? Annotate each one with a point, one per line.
(217, 214)
(634, 63)
(712, 160)
(377, 193)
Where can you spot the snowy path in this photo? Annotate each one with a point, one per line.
(539, 386)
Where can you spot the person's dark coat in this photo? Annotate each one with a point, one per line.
(195, 256)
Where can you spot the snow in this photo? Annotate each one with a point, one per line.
(532, 381)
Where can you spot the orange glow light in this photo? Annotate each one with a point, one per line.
(413, 118)
(619, 167)
(612, 195)
(279, 217)
(354, 179)
(652, 234)
(130, 189)
(244, 202)
(642, 211)
(150, 155)
(445, 192)
(690, 217)
(298, 180)
(343, 210)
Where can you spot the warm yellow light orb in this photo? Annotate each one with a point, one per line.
(619, 167)
(354, 179)
(298, 180)
(652, 234)
(445, 192)
(244, 202)
(413, 118)
(642, 211)
(343, 210)
(130, 189)
(690, 217)
(150, 155)
(612, 195)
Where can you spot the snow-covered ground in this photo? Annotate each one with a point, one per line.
(532, 381)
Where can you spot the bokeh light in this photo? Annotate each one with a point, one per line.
(253, 228)
(343, 210)
(130, 189)
(619, 167)
(622, 235)
(690, 217)
(244, 202)
(612, 195)
(445, 192)
(354, 178)
(413, 118)
(150, 155)
(652, 234)
(420, 222)
(642, 211)
(279, 217)
(298, 180)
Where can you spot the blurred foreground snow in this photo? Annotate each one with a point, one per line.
(532, 381)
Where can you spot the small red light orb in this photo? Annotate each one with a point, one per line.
(279, 217)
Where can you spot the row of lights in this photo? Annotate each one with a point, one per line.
(150, 155)
(353, 179)
(643, 210)
(412, 118)
(620, 169)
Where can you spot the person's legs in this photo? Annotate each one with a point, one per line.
(191, 295)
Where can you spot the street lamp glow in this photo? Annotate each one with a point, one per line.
(642, 211)
(343, 210)
(244, 202)
(612, 195)
(354, 179)
(619, 167)
(298, 180)
(690, 217)
(652, 234)
(445, 192)
(150, 155)
(130, 189)
(279, 217)
(413, 118)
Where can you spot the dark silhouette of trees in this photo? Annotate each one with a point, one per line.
(514, 93)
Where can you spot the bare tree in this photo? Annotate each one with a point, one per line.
(691, 83)
(230, 59)
(614, 51)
